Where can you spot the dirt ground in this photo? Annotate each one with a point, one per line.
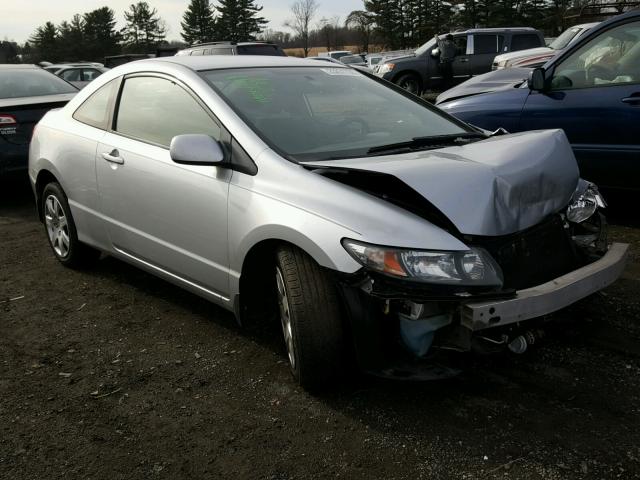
(112, 374)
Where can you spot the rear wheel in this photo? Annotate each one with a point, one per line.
(411, 83)
(61, 229)
(311, 319)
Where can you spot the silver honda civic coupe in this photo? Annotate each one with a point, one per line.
(380, 230)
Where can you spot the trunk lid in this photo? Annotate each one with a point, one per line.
(27, 112)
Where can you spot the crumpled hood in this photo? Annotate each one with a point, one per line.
(493, 187)
(488, 82)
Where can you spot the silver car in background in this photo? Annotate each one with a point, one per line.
(375, 226)
(536, 57)
(78, 74)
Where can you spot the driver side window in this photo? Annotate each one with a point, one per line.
(611, 58)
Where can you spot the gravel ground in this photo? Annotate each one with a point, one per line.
(112, 373)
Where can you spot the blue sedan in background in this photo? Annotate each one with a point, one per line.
(591, 90)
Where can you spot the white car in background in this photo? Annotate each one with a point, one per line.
(80, 74)
(536, 57)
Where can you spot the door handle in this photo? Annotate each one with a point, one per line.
(632, 100)
(464, 60)
(113, 157)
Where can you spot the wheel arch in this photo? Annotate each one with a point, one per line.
(258, 263)
(44, 177)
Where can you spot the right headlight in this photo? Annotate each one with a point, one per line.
(584, 204)
(385, 68)
(473, 267)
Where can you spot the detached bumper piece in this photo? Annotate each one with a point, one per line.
(548, 297)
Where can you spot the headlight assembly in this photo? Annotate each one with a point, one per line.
(473, 267)
(584, 204)
(385, 68)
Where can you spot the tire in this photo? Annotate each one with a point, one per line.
(313, 333)
(61, 230)
(410, 82)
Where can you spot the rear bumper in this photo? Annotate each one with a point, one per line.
(549, 297)
(13, 157)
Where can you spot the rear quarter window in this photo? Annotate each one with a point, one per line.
(95, 109)
(487, 43)
(524, 41)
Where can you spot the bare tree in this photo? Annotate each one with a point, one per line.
(303, 12)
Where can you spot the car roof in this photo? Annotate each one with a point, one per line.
(494, 30)
(220, 62)
(19, 66)
(228, 44)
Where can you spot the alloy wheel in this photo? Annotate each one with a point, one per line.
(285, 317)
(57, 226)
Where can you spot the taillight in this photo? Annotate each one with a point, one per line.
(7, 120)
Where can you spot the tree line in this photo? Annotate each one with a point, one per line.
(408, 23)
(387, 24)
(93, 35)
(402, 24)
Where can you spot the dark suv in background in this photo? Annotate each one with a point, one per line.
(233, 48)
(475, 51)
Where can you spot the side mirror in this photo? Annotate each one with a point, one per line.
(536, 81)
(435, 53)
(196, 149)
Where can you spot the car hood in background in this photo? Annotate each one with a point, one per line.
(531, 52)
(493, 187)
(486, 83)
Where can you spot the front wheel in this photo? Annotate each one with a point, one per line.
(311, 319)
(411, 83)
(61, 229)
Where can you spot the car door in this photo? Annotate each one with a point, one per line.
(484, 48)
(166, 217)
(594, 96)
(461, 66)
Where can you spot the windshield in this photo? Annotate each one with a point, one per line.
(32, 83)
(563, 40)
(426, 47)
(347, 60)
(321, 113)
(272, 50)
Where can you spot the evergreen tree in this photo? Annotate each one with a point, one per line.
(101, 36)
(144, 30)
(45, 43)
(239, 20)
(387, 20)
(198, 22)
(71, 39)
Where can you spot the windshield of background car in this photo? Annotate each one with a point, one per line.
(272, 50)
(426, 47)
(32, 83)
(564, 39)
(348, 60)
(321, 113)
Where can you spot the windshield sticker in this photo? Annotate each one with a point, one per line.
(345, 72)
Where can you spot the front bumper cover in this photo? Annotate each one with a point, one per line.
(548, 297)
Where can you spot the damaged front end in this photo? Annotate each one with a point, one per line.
(410, 309)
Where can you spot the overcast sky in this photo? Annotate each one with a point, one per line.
(18, 19)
